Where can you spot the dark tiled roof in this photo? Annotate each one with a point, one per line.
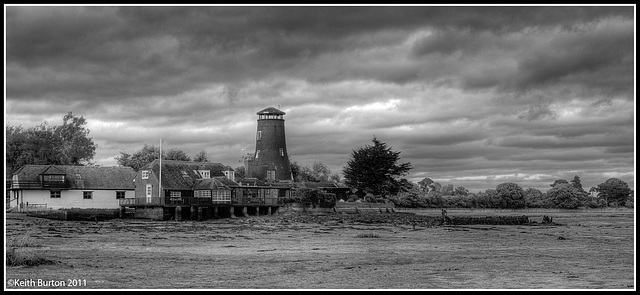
(180, 175)
(226, 181)
(271, 111)
(209, 183)
(89, 177)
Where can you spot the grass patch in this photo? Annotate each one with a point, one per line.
(368, 235)
(19, 258)
(22, 241)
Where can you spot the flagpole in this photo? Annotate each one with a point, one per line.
(160, 177)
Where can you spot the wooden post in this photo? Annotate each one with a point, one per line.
(178, 213)
(123, 212)
(269, 210)
(194, 212)
(244, 211)
(258, 211)
(231, 210)
(215, 212)
(199, 213)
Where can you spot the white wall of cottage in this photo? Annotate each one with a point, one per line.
(102, 199)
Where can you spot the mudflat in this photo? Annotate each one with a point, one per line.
(581, 250)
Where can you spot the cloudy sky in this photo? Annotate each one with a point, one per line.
(470, 96)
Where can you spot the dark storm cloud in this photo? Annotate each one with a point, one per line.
(464, 92)
(143, 51)
(583, 59)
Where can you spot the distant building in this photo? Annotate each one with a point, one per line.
(165, 189)
(270, 161)
(182, 180)
(67, 186)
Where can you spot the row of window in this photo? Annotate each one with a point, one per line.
(85, 195)
(203, 173)
(218, 195)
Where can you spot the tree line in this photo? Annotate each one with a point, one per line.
(374, 172)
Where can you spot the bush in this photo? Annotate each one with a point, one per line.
(25, 258)
(592, 204)
(352, 198)
(374, 199)
(315, 198)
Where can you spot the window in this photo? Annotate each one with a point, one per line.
(257, 153)
(57, 178)
(271, 175)
(149, 190)
(55, 194)
(282, 152)
(205, 173)
(145, 174)
(87, 195)
(120, 195)
(203, 194)
(175, 197)
(259, 136)
(222, 195)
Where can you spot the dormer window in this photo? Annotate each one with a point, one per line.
(53, 178)
(259, 135)
(205, 173)
(230, 175)
(257, 154)
(145, 174)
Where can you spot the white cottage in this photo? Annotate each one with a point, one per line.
(67, 186)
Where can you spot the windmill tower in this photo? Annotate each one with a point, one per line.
(270, 160)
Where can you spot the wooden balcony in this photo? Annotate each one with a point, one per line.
(192, 201)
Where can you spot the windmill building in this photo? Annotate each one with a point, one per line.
(270, 161)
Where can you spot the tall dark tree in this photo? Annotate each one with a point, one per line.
(76, 145)
(67, 144)
(374, 169)
(614, 190)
